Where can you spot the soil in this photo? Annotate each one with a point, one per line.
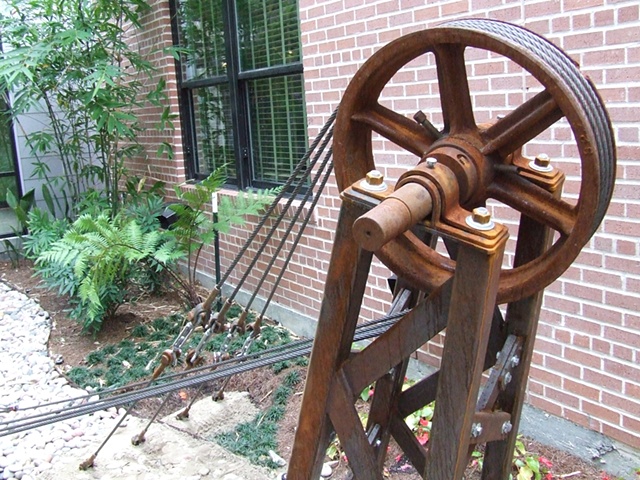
(70, 346)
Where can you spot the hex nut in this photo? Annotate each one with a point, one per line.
(481, 215)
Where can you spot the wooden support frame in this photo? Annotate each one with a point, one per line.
(476, 332)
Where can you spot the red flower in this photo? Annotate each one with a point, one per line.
(545, 461)
(423, 438)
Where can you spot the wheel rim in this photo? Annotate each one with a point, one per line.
(566, 94)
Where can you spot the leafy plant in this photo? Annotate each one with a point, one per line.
(194, 228)
(74, 62)
(96, 260)
(44, 230)
(527, 465)
(20, 208)
(255, 438)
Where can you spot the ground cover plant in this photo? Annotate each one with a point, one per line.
(73, 349)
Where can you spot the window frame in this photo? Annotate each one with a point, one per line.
(237, 82)
(12, 146)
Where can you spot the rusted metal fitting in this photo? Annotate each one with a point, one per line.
(374, 182)
(480, 219)
(138, 439)
(397, 213)
(88, 463)
(239, 326)
(421, 118)
(542, 163)
(167, 357)
(255, 327)
(506, 379)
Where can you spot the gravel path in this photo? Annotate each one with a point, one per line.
(28, 377)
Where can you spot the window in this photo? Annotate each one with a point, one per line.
(242, 88)
(8, 176)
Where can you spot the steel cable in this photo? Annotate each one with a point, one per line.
(187, 379)
(591, 103)
(325, 164)
(285, 190)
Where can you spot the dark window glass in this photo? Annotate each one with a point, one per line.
(242, 89)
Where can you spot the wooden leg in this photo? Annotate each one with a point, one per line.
(468, 326)
(521, 321)
(346, 282)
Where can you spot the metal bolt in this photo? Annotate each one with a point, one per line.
(515, 361)
(476, 430)
(375, 178)
(431, 162)
(374, 181)
(481, 215)
(420, 117)
(542, 160)
(480, 219)
(507, 378)
(506, 427)
(542, 163)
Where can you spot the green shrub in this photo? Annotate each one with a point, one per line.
(98, 260)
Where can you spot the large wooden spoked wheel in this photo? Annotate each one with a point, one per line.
(565, 93)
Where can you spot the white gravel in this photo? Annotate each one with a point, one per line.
(28, 378)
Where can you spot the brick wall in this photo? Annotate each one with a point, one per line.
(152, 42)
(587, 351)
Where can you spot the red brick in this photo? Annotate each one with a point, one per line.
(631, 320)
(581, 390)
(622, 264)
(632, 390)
(622, 370)
(602, 314)
(561, 304)
(600, 411)
(629, 13)
(561, 397)
(626, 247)
(581, 41)
(546, 405)
(583, 325)
(581, 357)
(621, 35)
(626, 434)
(560, 365)
(602, 380)
(545, 377)
(624, 353)
(580, 4)
(583, 291)
(627, 300)
(581, 419)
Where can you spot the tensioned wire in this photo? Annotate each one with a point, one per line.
(296, 240)
(322, 137)
(326, 164)
(182, 380)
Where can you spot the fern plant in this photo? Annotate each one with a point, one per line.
(97, 259)
(195, 228)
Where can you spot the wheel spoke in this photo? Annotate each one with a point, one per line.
(523, 124)
(534, 201)
(401, 130)
(457, 109)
